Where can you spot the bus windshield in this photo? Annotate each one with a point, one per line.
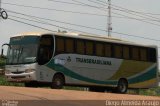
(22, 54)
(22, 50)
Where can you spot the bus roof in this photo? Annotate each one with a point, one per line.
(102, 38)
(85, 36)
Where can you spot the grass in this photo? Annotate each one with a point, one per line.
(75, 88)
(4, 82)
(150, 92)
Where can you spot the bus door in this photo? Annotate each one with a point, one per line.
(45, 53)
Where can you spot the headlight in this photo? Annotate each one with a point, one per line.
(7, 72)
(29, 70)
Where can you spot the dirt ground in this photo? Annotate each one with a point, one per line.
(34, 94)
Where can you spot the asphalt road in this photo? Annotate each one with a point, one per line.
(22, 96)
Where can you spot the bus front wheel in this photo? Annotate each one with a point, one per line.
(122, 86)
(58, 81)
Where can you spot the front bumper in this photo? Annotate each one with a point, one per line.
(23, 77)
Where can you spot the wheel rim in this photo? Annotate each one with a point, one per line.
(122, 87)
(58, 82)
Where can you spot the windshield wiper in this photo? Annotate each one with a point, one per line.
(20, 53)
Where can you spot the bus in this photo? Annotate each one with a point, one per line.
(75, 59)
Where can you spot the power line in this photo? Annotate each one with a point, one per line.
(75, 12)
(101, 8)
(128, 9)
(148, 17)
(57, 21)
(119, 33)
(124, 34)
(54, 9)
(129, 12)
(68, 3)
(142, 20)
(139, 15)
(62, 22)
(46, 23)
(31, 24)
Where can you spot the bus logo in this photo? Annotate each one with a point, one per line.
(69, 59)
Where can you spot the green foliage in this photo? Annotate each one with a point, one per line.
(2, 62)
(150, 92)
(74, 88)
(4, 82)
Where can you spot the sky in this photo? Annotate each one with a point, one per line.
(138, 25)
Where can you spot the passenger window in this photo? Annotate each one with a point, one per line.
(60, 45)
(117, 51)
(69, 45)
(80, 47)
(152, 55)
(126, 52)
(108, 50)
(135, 53)
(99, 49)
(89, 48)
(143, 54)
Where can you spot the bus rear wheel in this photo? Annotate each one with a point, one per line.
(58, 81)
(122, 86)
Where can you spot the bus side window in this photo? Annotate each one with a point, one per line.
(143, 54)
(89, 48)
(117, 51)
(60, 45)
(126, 54)
(80, 48)
(99, 49)
(135, 53)
(69, 45)
(152, 55)
(108, 50)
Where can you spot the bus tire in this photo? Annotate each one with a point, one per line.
(122, 86)
(58, 81)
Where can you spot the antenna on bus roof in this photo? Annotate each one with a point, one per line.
(62, 31)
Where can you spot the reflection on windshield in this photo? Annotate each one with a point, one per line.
(21, 54)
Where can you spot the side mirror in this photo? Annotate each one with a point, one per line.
(2, 55)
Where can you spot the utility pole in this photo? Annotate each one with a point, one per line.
(0, 8)
(109, 19)
(0, 4)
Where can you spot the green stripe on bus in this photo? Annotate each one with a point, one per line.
(74, 75)
(152, 73)
(141, 78)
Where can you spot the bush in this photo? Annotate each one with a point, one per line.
(4, 82)
(150, 92)
(2, 63)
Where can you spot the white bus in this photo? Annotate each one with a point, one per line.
(73, 59)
